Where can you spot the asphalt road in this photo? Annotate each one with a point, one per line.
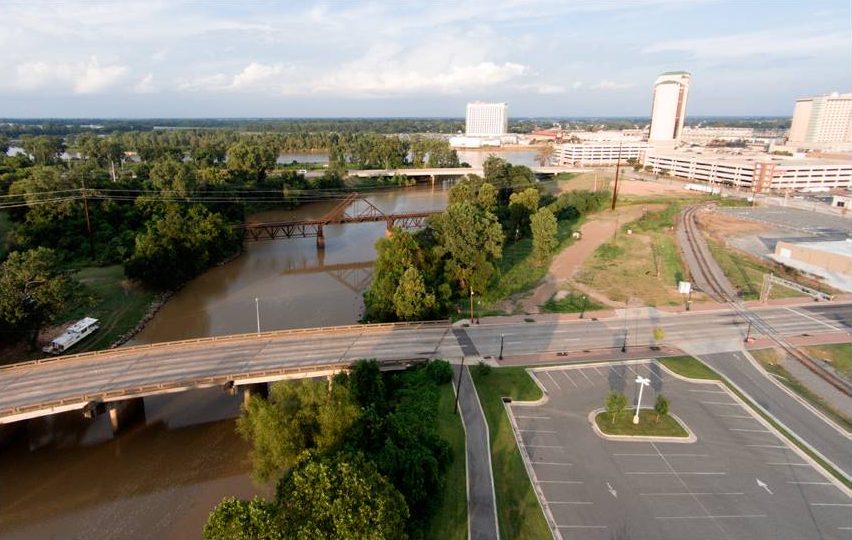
(834, 445)
(120, 370)
(738, 480)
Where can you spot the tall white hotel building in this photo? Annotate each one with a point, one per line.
(822, 120)
(669, 107)
(486, 119)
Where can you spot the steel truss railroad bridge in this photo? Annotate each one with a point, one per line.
(352, 209)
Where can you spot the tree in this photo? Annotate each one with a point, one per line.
(544, 154)
(543, 225)
(616, 402)
(471, 239)
(341, 496)
(661, 406)
(251, 160)
(44, 149)
(411, 300)
(659, 334)
(32, 291)
(4, 146)
(521, 206)
(497, 171)
(235, 519)
(297, 416)
(394, 256)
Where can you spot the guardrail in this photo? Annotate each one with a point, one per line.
(249, 336)
(199, 382)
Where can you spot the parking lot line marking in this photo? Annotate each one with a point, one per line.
(732, 516)
(655, 455)
(560, 482)
(766, 446)
(676, 473)
(790, 464)
(650, 372)
(581, 526)
(719, 403)
(597, 370)
(533, 417)
(750, 430)
(732, 493)
(536, 431)
(845, 505)
(551, 463)
(569, 378)
(708, 391)
(809, 483)
(667, 455)
(734, 416)
(570, 502)
(553, 380)
(583, 373)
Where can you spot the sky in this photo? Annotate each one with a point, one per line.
(255, 58)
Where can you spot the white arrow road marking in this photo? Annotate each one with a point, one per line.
(762, 484)
(611, 490)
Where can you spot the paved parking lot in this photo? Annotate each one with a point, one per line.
(738, 481)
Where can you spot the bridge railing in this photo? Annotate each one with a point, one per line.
(252, 336)
(199, 382)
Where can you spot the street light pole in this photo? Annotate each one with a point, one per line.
(642, 382)
(583, 308)
(471, 306)
(257, 311)
(500, 356)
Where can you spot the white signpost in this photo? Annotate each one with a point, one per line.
(642, 382)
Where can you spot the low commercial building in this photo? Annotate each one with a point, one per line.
(830, 260)
(597, 153)
(757, 173)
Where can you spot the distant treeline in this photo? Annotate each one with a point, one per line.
(14, 128)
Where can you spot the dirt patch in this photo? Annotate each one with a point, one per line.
(721, 227)
(639, 188)
(566, 264)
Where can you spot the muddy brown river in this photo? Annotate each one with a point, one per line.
(65, 477)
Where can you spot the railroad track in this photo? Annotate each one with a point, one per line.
(707, 273)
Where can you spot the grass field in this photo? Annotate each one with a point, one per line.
(108, 296)
(838, 355)
(450, 520)
(648, 425)
(687, 366)
(518, 510)
(644, 264)
(769, 359)
(583, 181)
(573, 303)
(746, 273)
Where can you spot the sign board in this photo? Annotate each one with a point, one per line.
(683, 287)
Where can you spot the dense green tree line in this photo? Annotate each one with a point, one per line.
(426, 274)
(357, 457)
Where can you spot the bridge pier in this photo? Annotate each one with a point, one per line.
(256, 389)
(320, 238)
(122, 413)
(389, 229)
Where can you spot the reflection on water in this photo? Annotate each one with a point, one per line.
(68, 477)
(296, 284)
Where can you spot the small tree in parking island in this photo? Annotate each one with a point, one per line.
(616, 402)
(661, 406)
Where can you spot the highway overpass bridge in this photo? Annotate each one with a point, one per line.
(453, 172)
(89, 381)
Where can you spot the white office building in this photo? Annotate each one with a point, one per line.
(486, 119)
(822, 121)
(597, 153)
(668, 110)
(756, 173)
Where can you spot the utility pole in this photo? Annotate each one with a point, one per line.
(471, 306)
(500, 356)
(617, 168)
(88, 221)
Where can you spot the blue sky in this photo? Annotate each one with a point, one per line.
(167, 58)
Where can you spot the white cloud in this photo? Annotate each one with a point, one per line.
(255, 75)
(606, 84)
(86, 77)
(776, 42)
(145, 85)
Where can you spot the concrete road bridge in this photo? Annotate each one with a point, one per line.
(454, 172)
(107, 380)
